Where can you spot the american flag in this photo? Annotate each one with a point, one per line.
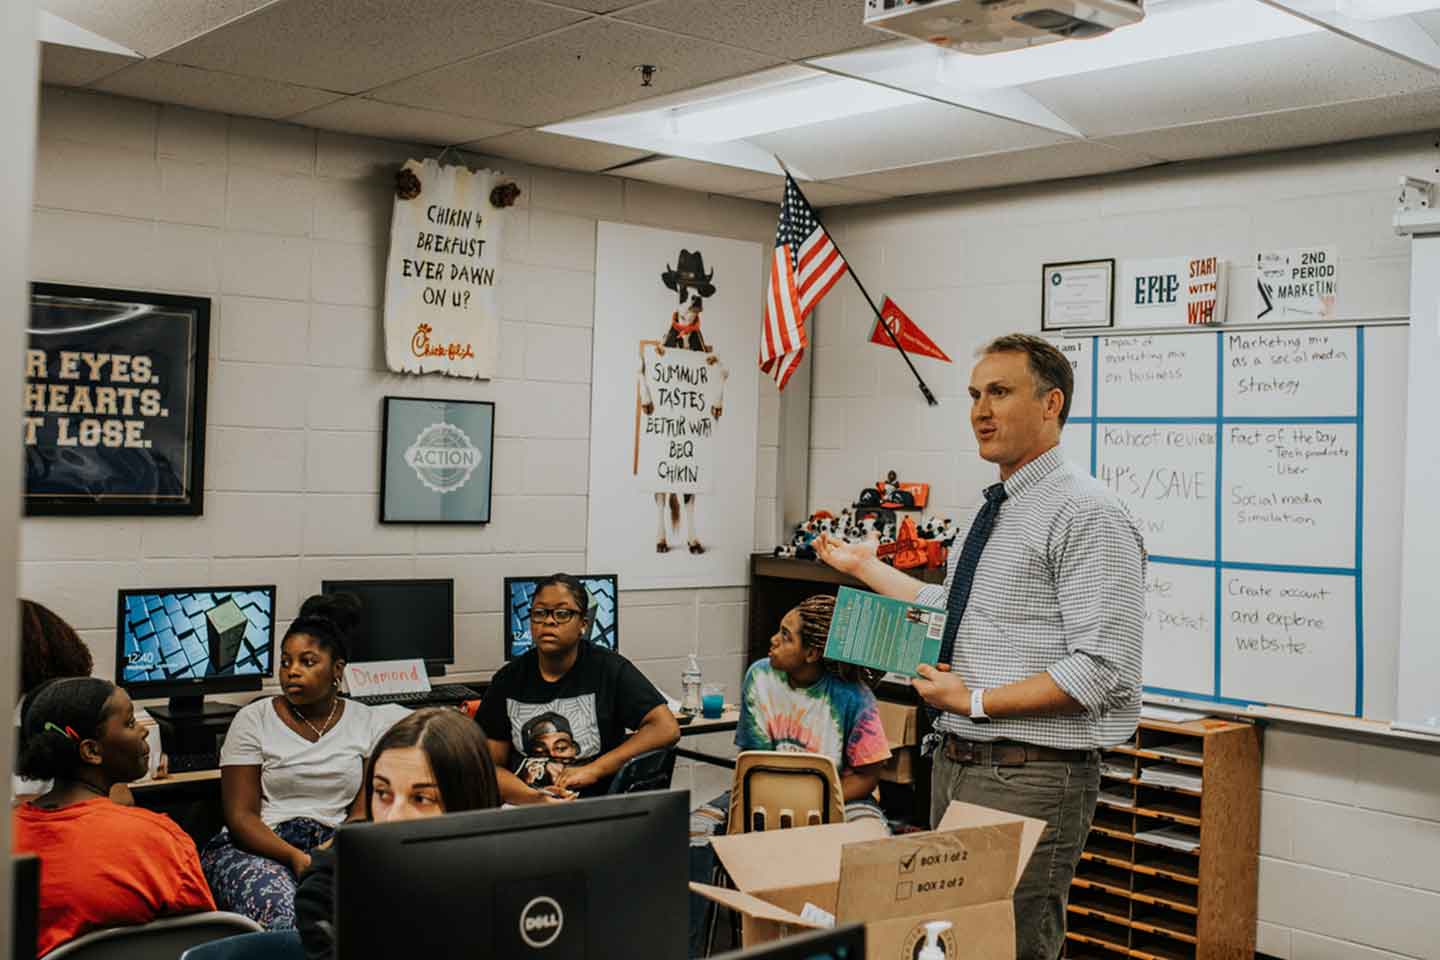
(806, 266)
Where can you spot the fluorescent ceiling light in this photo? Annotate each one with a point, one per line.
(782, 106)
(1173, 29)
(57, 30)
(1382, 9)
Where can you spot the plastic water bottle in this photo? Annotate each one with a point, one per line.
(690, 688)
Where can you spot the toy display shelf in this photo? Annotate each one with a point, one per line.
(1139, 893)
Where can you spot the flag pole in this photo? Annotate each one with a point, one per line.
(924, 389)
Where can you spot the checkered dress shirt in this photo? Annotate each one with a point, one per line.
(1060, 588)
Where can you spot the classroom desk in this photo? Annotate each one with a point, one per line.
(728, 720)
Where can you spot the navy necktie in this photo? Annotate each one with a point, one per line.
(975, 542)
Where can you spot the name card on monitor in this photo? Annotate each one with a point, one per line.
(381, 677)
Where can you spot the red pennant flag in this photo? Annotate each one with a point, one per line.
(911, 337)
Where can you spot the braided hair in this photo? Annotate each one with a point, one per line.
(815, 615)
(58, 715)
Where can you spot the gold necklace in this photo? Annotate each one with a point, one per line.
(320, 732)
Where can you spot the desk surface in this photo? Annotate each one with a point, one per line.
(700, 725)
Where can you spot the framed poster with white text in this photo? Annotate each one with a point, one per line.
(113, 415)
(438, 461)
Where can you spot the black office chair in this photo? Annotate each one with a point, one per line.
(651, 770)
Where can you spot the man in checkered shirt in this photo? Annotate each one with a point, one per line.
(1047, 655)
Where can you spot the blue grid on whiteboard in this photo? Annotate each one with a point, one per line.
(1354, 572)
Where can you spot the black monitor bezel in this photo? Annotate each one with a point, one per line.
(806, 946)
(197, 686)
(505, 606)
(343, 586)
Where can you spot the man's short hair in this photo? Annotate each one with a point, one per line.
(1047, 365)
(542, 726)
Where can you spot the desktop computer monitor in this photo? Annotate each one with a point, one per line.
(842, 943)
(600, 879)
(402, 620)
(604, 591)
(187, 642)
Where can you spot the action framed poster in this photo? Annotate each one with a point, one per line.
(113, 418)
(438, 461)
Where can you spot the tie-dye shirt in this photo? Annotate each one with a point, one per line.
(833, 717)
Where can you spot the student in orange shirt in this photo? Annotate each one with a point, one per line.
(101, 864)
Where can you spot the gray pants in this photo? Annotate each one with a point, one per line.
(1061, 794)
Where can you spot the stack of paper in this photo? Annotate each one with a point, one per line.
(1116, 771)
(1150, 711)
(1176, 837)
(1179, 751)
(1117, 798)
(1171, 775)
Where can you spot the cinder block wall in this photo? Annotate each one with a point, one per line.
(286, 229)
(1350, 829)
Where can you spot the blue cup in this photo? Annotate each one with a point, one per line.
(712, 702)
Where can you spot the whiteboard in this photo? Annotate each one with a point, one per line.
(1264, 469)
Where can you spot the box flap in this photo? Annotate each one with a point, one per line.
(788, 858)
(926, 873)
(968, 814)
(748, 905)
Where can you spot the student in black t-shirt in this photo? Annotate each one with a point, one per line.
(557, 716)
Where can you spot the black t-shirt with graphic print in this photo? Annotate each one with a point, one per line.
(572, 721)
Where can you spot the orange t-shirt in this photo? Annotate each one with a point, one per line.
(106, 865)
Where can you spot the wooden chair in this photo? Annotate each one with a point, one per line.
(775, 790)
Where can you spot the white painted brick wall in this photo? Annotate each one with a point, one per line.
(285, 229)
(1350, 829)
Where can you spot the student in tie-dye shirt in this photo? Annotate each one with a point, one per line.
(796, 700)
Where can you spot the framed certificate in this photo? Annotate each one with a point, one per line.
(1079, 293)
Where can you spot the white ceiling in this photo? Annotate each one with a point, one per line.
(487, 74)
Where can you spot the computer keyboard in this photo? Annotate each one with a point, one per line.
(192, 762)
(440, 694)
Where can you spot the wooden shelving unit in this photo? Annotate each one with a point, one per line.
(1154, 897)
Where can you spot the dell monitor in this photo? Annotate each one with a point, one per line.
(601, 879)
(604, 591)
(187, 642)
(842, 943)
(402, 620)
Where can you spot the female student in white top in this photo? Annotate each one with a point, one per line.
(290, 773)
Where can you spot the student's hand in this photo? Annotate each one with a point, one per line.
(575, 779)
(162, 769)
(942, 689)
(845, 557)
(555, 794)
(299, 863)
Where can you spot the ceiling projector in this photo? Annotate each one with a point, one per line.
(994, 26)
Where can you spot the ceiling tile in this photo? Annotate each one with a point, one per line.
(75, 67)
(1075, 159)
(901, 137)
(354, 45)
(577, 71)
(1285, 129)
(554, 150)
(597, 6)
(1299, 71)
(150, 26)
(701, 176)
(820, 195)
(794, 29)
(387, 121)
(206, 90)
(1429, 21)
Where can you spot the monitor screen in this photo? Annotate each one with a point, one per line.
(401, 619)
(843, 943)
(190, 640)
(604, 591)
(599, 879)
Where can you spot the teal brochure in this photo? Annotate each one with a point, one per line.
(873, 631)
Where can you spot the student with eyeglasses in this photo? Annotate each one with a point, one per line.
(557, 717)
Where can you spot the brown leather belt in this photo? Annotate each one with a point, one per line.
(1008, 753)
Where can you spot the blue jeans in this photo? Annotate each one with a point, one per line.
(255, 886)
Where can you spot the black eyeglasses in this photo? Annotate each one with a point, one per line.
(560, 615)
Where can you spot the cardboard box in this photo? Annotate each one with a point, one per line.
(900, 722)
(900, 768)
(964, 872)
